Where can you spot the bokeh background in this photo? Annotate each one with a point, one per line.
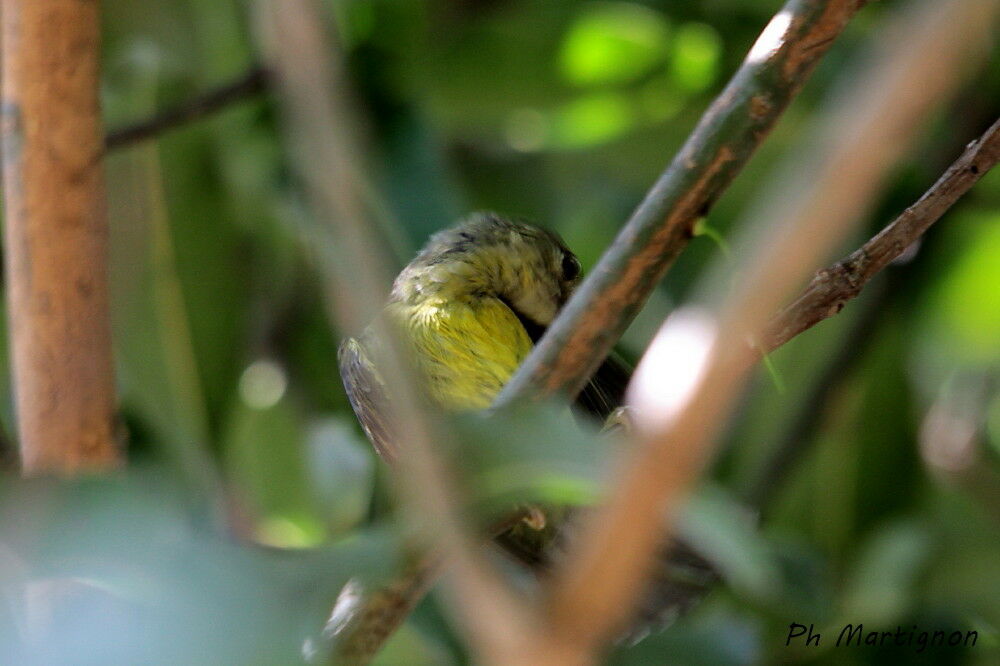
(868, 450)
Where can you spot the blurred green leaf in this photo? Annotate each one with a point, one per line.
(993, 423)
(807, 589)
(413, 648)
(660, 99)
(531, 454)
(592, 120)
(694, 59)
(137, 582)
(964, 574)
(712, 639)
(264, 449)
(726, 534)
(613, 43)
(342, 472)
(157, 365)
(964, 308)
(879, 587)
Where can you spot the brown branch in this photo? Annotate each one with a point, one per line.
(56, 236)
(724, 140)
(383, 610)
(833, 287)
(247, 85)
(692, 372)
(323, 137)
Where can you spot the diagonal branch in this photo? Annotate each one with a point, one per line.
(833, 287)
(724, 140)
(691, 374)
(247, 85)
(323, 138)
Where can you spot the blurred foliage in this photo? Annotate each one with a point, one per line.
(114, 572)
(534, 454)
(559, 112)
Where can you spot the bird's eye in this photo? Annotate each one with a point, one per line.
(570, 267)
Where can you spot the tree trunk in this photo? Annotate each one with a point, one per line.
(55, 236)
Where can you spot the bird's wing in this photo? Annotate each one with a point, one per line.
(367, 393)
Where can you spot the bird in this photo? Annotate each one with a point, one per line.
(469, 308)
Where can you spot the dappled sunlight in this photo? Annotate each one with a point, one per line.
(613, 43)
(672, 367)
(263, 384)
(771, 39)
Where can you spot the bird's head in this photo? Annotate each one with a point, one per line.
(528, 268)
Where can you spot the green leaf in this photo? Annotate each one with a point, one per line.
(726, 534)
(139, 582)
(263, 444)
(592, 120)
(342, 472)
(413, 648)
(880, 588)
(964, 309)
(716, 639)
(694, 62)
(531, 454)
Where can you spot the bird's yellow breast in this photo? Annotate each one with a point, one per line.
(466, 349)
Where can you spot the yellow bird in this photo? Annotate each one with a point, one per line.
(470, 306)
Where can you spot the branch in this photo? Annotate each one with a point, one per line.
(724, 140)
(383, 610)
(323, 138)
(56, 236)
(247, 85)
(833, 287)
(690, 376)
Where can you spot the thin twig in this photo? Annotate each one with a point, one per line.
(56, 236)
(328, 159)
(724, 140)
(833, 287)
(247, 85)
(692, 372)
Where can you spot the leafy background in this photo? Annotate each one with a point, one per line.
(562, 113)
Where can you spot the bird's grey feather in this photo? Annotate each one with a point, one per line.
(368, 396)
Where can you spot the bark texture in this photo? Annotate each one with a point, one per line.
(56, 236)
